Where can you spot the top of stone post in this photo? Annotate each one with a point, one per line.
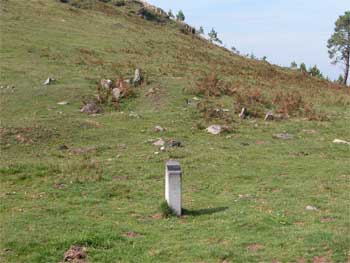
(173, 165)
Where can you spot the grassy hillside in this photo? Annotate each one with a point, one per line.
(245, 193)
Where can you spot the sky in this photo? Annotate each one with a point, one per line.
(282, 30)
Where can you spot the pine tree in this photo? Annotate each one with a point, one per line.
(180, 16)
(339, 44)
(213, 36)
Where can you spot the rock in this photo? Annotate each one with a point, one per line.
(159, 142)
(244, 113)
(49, 81)
(311, 208)
(159, 129)
(174, 143)
(214, 129)
(269, 116)
(337, 141)
(134, 115)
(116, 94)
(75, 254)
(162, 148)
(106, 83)
(63, 103)
(137, 78)
(91, 108)
(283, 136)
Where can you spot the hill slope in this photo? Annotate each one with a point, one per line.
(245, 192)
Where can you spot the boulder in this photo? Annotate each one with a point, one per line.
(159, 142)
(106, 83)
(116, 94)
(337, 141)
(91, 108)
(214, 129)
(244, 113)
(283, 136)
(49, 81)
(159, 129)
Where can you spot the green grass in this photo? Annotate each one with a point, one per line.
(236, 192)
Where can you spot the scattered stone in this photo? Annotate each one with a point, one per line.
(244, 113)
(91, 108)
(337, 141)
(159, 142)
(75, 254)
(214, 129)
(196, 99)
(78, 151)
(283, 136)
(134, 115)
(174, 143)
(159, 129)
(162, 148)
(106, 83)
(63, 103)
(49, 81)
(156, 153)
(116, 94)
(137, 78)
(311, 208)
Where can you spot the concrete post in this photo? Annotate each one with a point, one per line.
(173, 179)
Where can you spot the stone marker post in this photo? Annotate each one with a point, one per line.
(173, 179)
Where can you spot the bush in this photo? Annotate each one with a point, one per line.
(165, 210)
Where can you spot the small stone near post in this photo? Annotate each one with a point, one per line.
(173, 178)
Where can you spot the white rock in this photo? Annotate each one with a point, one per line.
(311, 208)
(162, 148)
(49, 81)
(106, 83)
(116, 93)
(243, 113)
(159, 128)
(341, 142)
(214, 129)
(159, 142)
(63, 103)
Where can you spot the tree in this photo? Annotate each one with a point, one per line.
(180, 16)
(201, 31)
(315, 72)
(293, 65)
(340, 80)
(213, 36)
(339, 44)
(302, 67)
(170, 14)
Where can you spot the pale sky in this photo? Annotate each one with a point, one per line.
(282, 30)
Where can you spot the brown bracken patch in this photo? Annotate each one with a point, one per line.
(255, 247)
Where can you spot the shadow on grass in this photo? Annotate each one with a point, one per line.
(206, 211)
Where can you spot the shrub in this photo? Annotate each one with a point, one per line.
(165, 210)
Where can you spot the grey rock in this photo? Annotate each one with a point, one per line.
(283, 136)
(116, 94)
(214, 129)
(91, 108)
